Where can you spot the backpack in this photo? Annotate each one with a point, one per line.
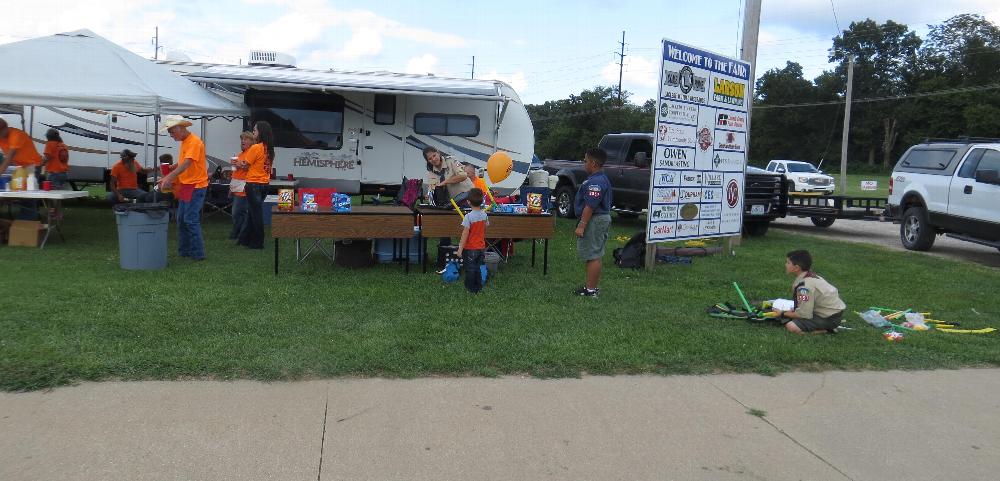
(410, 192)
(633, 255)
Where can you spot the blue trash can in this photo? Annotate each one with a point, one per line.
(142, 235)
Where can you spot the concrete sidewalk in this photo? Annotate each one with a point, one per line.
(929, 425)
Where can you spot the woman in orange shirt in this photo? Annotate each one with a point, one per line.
(56, 159)
(259, 158)
(237, 185)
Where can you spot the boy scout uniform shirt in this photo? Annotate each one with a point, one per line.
(814, 297)
(449, 169)
(594, 192)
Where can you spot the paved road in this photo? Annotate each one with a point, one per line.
(912, 425)
(887, 234)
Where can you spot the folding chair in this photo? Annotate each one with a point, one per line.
(217, 199)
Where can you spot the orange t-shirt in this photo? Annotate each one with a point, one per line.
(125, 178)
(476, 221)
(260, 165)
(55, 164)
(26, 153)
(197, 171)
(240, 174)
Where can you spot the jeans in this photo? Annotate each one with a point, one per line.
(253, 234)
(58, 179)
(472, 259)
(239, 216)
(128, 194)
(190, 242)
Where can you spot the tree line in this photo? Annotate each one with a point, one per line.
(906, 89)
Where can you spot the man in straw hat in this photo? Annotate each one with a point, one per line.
(192, 177)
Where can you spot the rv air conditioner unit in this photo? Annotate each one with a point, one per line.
(272, 59)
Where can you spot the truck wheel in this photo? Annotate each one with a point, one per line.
(915, 232)
(755, 229)
(564, 202)
(823, 221)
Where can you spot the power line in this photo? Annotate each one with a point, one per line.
(883, 99)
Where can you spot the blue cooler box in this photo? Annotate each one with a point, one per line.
(383, 249)
(270, 202)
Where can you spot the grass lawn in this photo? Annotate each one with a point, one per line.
(71, 314)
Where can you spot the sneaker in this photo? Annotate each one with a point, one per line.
(584, 292)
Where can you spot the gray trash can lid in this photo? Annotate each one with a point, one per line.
(146, 207)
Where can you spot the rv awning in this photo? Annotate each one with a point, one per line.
(385, 83)
(86, 71)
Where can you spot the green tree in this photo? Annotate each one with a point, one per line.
(885, 62)
(789, 133)
(566, 128)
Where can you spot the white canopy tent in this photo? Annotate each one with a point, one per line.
(83, 70)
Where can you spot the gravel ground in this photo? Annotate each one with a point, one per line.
(887, 234)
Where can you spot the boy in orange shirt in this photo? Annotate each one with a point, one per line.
(472, 247)
(56, 158)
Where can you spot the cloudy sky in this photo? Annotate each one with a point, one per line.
(545, 49)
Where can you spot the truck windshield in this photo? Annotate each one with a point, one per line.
(801, 167)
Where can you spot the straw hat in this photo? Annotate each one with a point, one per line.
(174, 121)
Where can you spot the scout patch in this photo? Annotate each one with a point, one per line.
(803, 294)
(594, 190)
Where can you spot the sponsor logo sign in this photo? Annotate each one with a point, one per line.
(680, 135)
(678, 113)
(663, 213)
(674, 158)
(731, 120)
(728, 92)
(711, 211)
(710, 226)
(712, 179)
(688, 228)
(665, 178)
(869, 185)
(664, 195)
(666, 230)
(711, 195)
(730, 140)
(690, 178)
(689, 195)
(727, 161)
(732, 193)
(704, 138)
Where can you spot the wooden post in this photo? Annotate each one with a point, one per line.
(650, 260)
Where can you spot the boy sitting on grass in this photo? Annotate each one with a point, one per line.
(818, 308)
(472, 247)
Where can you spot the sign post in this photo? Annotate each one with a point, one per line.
(699, 162)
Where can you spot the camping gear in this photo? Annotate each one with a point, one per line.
(492, 262)
(450, 272)
(142, 235)
(410, 191)
(353, 253)
(633, 254)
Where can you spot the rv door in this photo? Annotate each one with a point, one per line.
(382, 140)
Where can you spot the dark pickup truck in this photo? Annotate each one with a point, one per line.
(629, 156)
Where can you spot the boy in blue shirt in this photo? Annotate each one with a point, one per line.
(593, 201)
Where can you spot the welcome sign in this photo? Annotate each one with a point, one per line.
(701, 137)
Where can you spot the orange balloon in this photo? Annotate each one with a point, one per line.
(499, 167)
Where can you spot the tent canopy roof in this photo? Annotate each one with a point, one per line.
(377, 82)
(83, 70)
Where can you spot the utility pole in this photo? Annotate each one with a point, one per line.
(156, 43)
(748, 53)
(621, 67)
(847, 126)
(473, 67)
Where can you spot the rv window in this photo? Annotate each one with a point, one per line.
(444, 124)
(300, 120)
(385, 109)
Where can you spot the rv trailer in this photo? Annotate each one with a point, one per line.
(358, 132)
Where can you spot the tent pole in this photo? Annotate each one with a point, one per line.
(156, 150)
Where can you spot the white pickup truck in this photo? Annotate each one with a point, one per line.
(947, 187)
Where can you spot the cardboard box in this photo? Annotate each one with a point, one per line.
(26, 233)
